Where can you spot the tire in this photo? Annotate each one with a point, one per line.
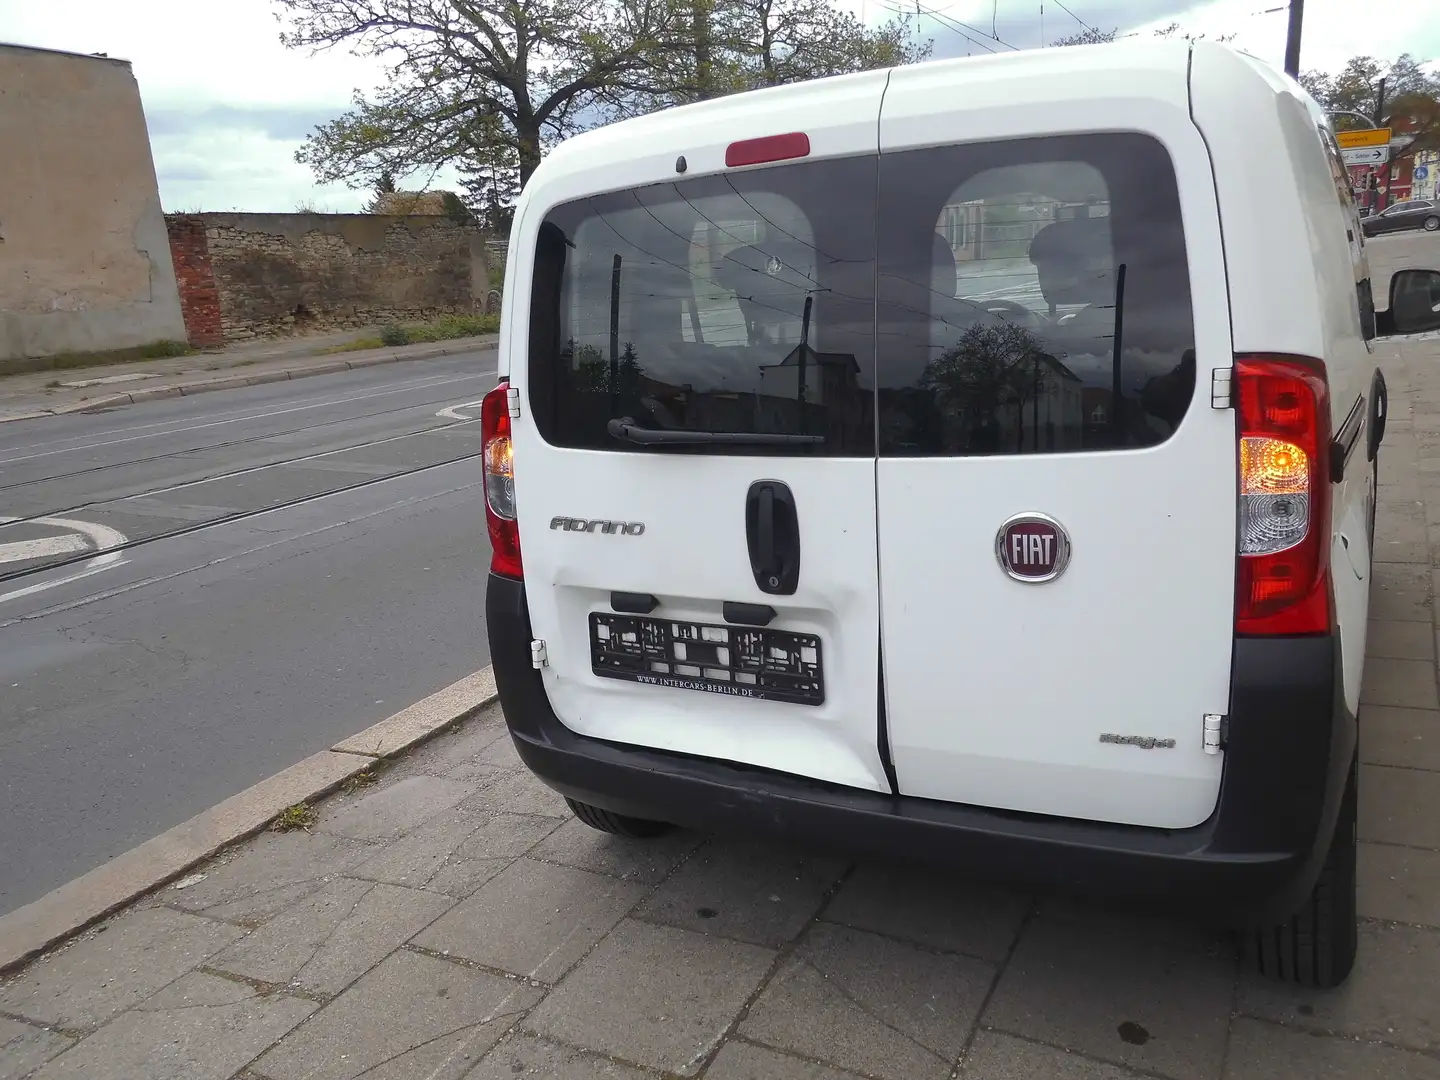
(1432, 223)
(1316, 946)
(616, 824)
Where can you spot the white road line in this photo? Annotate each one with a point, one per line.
(453, 411)
(46, 547)
(408, 385)
(101, 536)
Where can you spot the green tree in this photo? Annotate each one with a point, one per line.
(1411, 93)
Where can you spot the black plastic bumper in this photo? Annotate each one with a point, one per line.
(1289, 748)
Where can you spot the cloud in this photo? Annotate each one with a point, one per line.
(283, 122)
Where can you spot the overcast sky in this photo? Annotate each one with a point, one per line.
(228, 105)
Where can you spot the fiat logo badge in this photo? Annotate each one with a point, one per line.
(1032, 548)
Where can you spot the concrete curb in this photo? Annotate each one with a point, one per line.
(38, 926)
(232, 382)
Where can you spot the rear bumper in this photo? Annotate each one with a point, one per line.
(1288, 753)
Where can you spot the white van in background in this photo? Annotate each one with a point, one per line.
(972, 461)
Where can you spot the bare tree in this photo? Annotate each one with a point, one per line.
(467, 76)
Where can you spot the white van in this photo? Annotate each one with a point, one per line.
(972, 461)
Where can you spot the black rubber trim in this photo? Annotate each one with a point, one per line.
(633, 603)
(1346, 439)
(747, 614)
(1255, 859)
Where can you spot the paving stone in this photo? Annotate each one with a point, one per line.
(757, 892)
(1143, 993)
(1389, 997)
(1003, 1057)
(23, 1047)
(525, 1055)
(414, 858)
(745, 1061)
(930, 907)
(1399, 884)
(653, 995)
(205, 1039)
(414, 1014)
(872, 1005)
(335, 937)
(461, 877)
(505, 836)
(502, 755)
(109, 970)
(534, 919)
(1396, 640)
(1407, 683)
(462, 746)
(520, 792)
(269, 874)
(1406, 738)
(1261, 1051)
(1400, 806)
(395, 808)
(576, 844)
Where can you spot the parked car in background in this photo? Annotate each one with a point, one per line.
(1413, 214)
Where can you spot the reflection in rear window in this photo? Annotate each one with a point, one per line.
(735, 304)
(1018, 297)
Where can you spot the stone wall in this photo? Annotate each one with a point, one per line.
(245, 276)
(84, 263)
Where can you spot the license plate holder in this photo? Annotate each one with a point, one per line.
(736, 661)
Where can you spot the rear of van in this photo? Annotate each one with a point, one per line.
(889, 458)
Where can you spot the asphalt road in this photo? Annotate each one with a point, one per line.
(287, 564)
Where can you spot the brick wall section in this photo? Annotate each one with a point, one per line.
(276, 275)
(199, 296)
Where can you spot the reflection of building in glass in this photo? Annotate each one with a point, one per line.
(834, 404)
(1045, 411)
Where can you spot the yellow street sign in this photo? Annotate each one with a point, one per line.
(1354, 140)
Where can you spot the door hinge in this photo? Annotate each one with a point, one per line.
(1214, 733)
(539, 658)
(1220, 387)
(512, 398)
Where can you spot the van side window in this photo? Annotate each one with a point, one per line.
(734, 303)
(1058, 320)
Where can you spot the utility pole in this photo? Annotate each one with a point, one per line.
(1380, 102)
(1292, 39)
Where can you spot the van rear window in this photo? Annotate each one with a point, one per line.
(740, 303)
(1029, 296)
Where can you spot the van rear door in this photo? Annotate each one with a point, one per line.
(1057, 501)
(694, 455)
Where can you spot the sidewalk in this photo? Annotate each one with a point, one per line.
(43, 393)
(452, 921)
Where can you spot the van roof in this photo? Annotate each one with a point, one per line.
(1067, 67)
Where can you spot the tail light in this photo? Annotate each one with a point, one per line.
(1284, 511)
(498, 455)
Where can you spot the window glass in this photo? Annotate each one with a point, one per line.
(1034, 297)
(741, 303)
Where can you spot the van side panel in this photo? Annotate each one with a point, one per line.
(1293, 255)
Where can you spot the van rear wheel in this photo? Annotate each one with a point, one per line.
(616, 824)
(1316, 946)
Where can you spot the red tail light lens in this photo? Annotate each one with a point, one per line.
(498, 455)
(1284, 508)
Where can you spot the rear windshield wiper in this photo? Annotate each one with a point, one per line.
(625, 428)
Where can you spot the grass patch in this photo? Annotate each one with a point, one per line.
(67, 360)
(299, 816)
(362, 780)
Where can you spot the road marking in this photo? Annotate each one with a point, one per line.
(453, 411)
(264, 414)
(101, 536)
(46, 547)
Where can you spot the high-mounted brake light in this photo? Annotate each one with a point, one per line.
(1284, 453)
(795, 144)
(498, 455)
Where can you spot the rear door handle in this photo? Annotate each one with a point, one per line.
(772, 532)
